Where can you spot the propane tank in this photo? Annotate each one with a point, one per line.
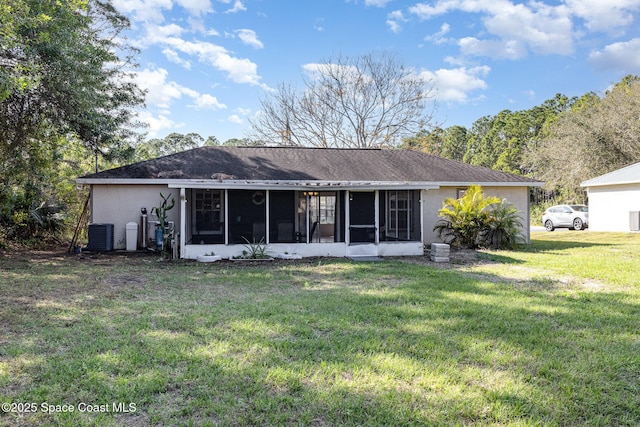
(143, 228)
(159, 237)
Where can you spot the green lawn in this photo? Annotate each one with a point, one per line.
(548, 335)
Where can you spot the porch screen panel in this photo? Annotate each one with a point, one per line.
(282, 216)
(247, 215)
(362, 217)
(401, 219)
(416, 225)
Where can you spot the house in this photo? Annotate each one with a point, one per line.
(314, 202)
(614, 200)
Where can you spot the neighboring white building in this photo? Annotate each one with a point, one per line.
(614, 200)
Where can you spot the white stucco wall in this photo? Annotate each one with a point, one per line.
(120, 204)
(432, 203)
(609, 206)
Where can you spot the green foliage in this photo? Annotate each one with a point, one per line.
(61, 83)
(475, 220)
(502, 229)
(255, 250)
(171, 144)
(450, 143)
(168, 202)
(596, 136)
(499, 142)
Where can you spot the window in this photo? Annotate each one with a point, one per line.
(207, 214)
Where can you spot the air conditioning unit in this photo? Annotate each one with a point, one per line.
(634, 220)
(100, 237)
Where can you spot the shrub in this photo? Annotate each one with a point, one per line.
(502, 229)
(255, 250)
(475, 220)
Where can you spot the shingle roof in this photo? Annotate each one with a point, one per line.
(627, 175)
(308, 164)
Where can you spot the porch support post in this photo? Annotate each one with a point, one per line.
(347, 222)
(421, 202)
(183, 221)
(226, 217)
(266, 218)
(376, 206)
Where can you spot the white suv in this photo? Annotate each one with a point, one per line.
(573, 217)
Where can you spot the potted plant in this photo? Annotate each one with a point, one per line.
(255, 251)
(209, 257)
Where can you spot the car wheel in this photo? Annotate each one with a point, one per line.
(578, 224)
(549, 225)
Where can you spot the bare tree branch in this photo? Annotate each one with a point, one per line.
(363, 102)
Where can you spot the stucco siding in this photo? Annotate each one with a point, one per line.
(121, 204)
(433, 199)
(609, 206)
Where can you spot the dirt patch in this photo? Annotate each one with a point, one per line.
(457, 258)
(119, 280)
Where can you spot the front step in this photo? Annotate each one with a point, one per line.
(362, 250)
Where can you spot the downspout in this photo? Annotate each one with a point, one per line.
(183, 222)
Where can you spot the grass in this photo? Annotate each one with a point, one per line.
(547, 335)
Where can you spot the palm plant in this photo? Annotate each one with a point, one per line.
(462, 220)
(502, 230)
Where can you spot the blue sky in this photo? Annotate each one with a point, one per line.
(208, 63)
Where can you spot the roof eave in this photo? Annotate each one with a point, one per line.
(492, 184)
(292, 185)
(606, 184)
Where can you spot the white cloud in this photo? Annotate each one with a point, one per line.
(622, 56)
(243, 111)
(516, 28)
(606, 16)
(377, 3)
(394, 20)
(207, 102)
(438, 38)
(239, 70)
(318, 26)
(316, 70)
(173, 56)
(234, 118)
(510, 49)
(162, 93)
(238, 6)
(158, 123)
(196, 7)
(158, 33)
(250, 38)
(454, 85)
(143, 10)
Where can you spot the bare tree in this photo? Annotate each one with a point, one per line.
(363, 102)
(598, 135)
